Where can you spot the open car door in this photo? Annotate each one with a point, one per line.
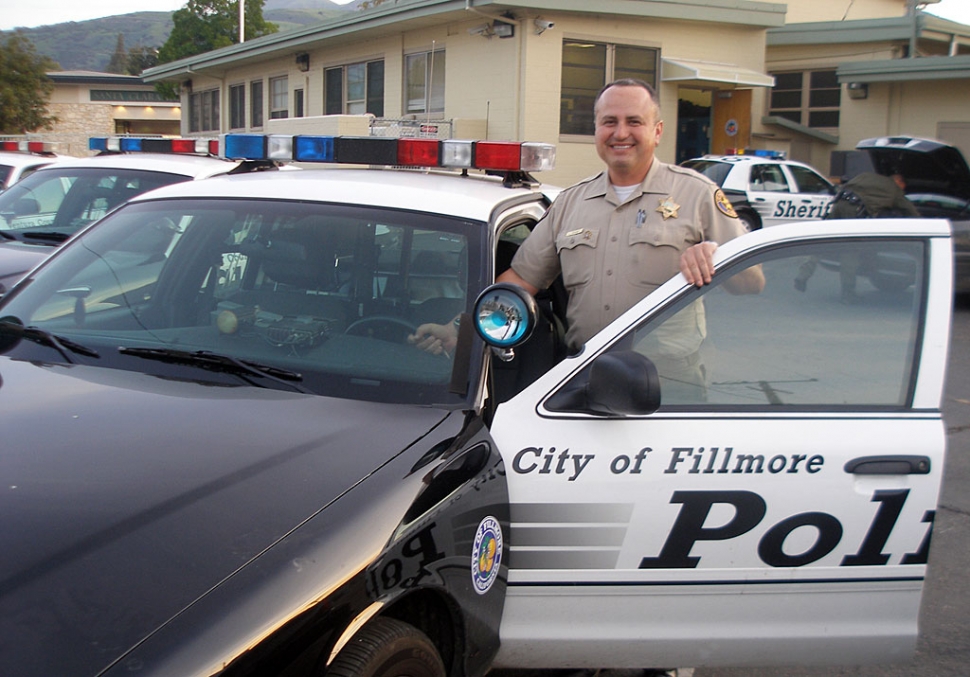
(775, 504)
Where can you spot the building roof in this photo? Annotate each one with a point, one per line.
(897, 70)
(867, 30)
(402, 15)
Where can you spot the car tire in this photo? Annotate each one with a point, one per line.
(750, 219)
(388, 648)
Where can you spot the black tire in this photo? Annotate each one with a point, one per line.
(751, 219)
(388, 648)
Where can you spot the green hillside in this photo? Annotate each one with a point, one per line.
(88, 45)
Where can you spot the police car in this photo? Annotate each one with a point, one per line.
(44, 209)
(223, 454)
(769, 188)
(21, 158)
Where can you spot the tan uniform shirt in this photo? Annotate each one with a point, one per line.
(612, 255)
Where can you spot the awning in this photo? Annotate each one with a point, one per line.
(709, 74)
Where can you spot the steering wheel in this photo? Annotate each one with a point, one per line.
(383, 327)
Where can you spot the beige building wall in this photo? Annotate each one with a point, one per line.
(802, 11)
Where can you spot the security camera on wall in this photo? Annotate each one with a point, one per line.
(542, 25)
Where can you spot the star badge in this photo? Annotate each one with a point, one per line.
(668, 208)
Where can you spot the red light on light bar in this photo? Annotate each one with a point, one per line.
(499, 155)
(9, 145)
(183, 145)
(418, 152)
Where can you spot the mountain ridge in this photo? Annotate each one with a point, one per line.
(88, 45)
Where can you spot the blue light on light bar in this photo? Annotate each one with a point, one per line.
(131, 145)
(244, 146)
(98, 143)
(313, 148)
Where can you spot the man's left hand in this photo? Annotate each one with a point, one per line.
(697, 263)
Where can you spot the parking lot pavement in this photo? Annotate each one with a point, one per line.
(678, 672)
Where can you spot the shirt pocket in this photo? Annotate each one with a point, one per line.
(577, 256)
(654, 251)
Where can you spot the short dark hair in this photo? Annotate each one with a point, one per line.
(630, 82)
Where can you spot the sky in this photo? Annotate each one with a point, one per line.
(31, 13)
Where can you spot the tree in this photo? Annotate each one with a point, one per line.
(24, 86)
(120, 58)
(204, 25)
(140, 58)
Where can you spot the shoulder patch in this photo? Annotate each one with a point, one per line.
(723, 204)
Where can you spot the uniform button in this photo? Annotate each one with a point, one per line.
(606, 307)
(609, 272)
(614, 238)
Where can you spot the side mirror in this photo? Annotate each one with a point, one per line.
(621, 383)
(505, 315)
(26, 206)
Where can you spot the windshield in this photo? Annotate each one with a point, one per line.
(328, 293)
(54, 204)
(715, 171)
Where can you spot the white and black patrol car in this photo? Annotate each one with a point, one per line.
(767, 189)
(19, 159)
(42, 210)
(222, 454)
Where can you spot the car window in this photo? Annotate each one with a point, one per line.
(769, 178)
(330, 292)
(715, 171)
(66, 200)
(809, 181)
(804, 342)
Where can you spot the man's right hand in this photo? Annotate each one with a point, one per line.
(437, 339)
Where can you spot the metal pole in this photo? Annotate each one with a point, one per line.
(242, 21)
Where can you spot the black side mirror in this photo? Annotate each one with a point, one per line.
(621, 383)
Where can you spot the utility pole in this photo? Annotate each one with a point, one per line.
(242, 21)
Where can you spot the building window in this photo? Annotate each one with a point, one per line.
(810, 98)
(204, 111)
(587, 67)
(298, 103)
(256, 103)
(278, 96)
(355, 89)
(424, 82)
(237, 107)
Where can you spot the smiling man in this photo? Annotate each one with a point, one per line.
(619, 235)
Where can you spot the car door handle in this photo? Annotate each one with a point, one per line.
(889, 465)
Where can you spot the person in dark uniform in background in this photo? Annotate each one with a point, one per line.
(865, 196)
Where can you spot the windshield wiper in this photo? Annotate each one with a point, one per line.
(46, 235)
(7, 236)
(222, 363)
(61, 344)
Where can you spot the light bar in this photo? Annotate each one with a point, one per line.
(758, 152)
(135, 144)
(36, 147)
(505, 156)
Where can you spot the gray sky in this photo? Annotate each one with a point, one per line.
(31, 13)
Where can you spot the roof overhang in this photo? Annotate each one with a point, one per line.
(893, 29)
(394, 18)
(800, 129)
(708, 74)
(900, 70)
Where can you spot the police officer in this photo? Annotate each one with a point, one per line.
(619, 235)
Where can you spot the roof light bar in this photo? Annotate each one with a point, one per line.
(135, 144)
(23, 146)
(404, 152)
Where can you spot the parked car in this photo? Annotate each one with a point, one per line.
(222, 453)
(42, 210)
(20, 159)
(766, 189)
(937, 182)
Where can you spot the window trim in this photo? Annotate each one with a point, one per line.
(256, 104)
(237, 106)
(276, 97)
(428, 91)
(805, 108)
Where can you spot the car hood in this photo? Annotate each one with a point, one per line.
(126, 497)
(929, 167)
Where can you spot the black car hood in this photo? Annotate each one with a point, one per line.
(126, 497)
(929, 167)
